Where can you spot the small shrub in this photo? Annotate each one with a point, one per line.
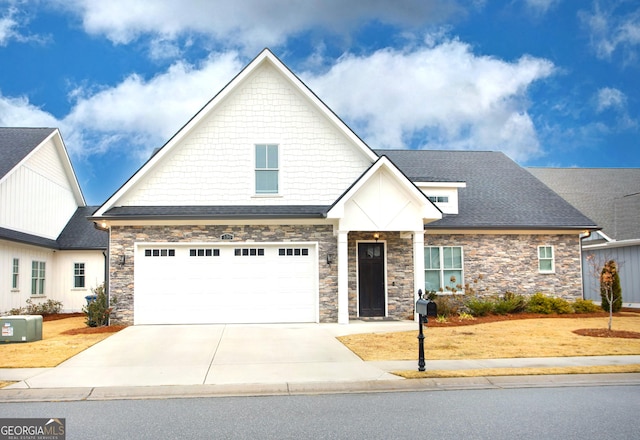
(441, 319)
(98, 311)
(49, 307)
(464, 316)
(585, 306)
(447, 305)
(479, 306)
(546, 305)
(510, 303)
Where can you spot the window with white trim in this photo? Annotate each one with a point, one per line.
(267, 168)
(15, 273)
(439, 199)
(38, 271)
(443, 268)
(546, 261)
(78, 275)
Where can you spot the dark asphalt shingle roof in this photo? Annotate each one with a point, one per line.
(81, 233)
(219, 212)
(17, 143)
(610, 196)
(499, 193)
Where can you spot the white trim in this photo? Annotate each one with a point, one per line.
(429, 211)
(442, 269)
(612, 244)
(553, 259)
(441, 184)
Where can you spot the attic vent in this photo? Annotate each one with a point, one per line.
(226, 237)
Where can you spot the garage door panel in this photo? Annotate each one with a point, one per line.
(226, 288)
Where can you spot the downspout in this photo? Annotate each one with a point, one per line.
(582, 236)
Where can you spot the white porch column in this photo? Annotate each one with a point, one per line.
(343, 278)
(418, 263)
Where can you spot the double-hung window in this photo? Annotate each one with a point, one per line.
(546, 263)
(15, 273)
(267, 168)
(443, 268)
(78, 275)
(38, 270)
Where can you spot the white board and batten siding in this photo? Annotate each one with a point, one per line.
(39, 185)
(205, 283)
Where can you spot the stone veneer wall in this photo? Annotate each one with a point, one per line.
(123, 238)
(510, 263)
(399, 279)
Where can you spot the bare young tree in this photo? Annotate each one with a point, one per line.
(606, 272)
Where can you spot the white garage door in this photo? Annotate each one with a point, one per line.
(242, 283)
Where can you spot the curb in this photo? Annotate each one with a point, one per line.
(292, 389)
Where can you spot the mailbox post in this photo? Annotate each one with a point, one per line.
(424, 309)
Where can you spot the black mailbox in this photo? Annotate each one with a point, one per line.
(426, 307)
(432, 309)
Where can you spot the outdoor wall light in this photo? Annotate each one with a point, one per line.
(376, 236)
(330, 258)
(123, 259)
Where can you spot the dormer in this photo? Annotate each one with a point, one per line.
(443, 194)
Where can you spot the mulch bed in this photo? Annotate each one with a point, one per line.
(94, 330)
(606, 333)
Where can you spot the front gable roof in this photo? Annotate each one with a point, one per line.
(383, 199)
(264, 58)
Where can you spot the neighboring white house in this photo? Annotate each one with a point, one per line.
(48, 248)
(266, 207)
(611, 197)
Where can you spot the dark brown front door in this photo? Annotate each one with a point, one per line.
(371, 279)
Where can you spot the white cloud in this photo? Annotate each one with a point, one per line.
(610, 31)
(433, 96)
(18, 112)
(145, 113)
(440, 96)
(252, 24)
(608, 97)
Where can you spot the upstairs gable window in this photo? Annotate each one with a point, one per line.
(267, 168)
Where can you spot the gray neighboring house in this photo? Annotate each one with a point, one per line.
(611, 197)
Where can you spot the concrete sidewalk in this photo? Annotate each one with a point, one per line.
(247, 359)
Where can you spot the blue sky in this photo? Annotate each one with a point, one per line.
(548, 82)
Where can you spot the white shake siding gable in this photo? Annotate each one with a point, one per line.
(38, 185)
(214, 163)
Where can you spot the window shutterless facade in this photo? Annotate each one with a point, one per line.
(267, 168)
(443, 268)
(546, 261)
(15, 273)
(78, 275)
(38, 271)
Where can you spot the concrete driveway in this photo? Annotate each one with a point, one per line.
(156, 355)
